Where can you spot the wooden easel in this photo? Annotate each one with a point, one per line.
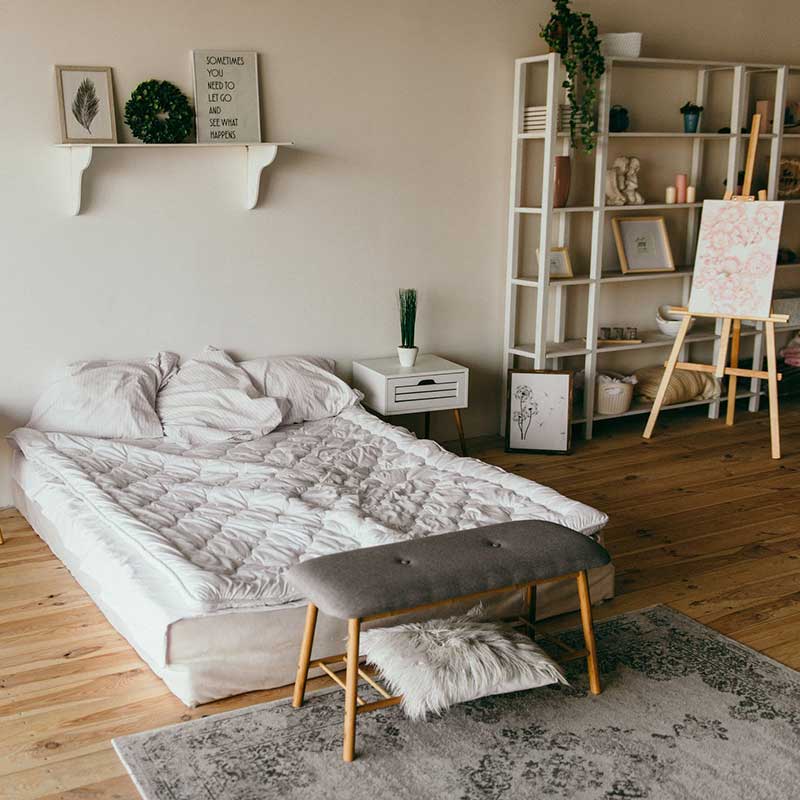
(731, 326)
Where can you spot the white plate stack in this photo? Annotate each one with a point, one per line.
(535, 119)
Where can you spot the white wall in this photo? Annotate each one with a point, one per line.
(401, 115)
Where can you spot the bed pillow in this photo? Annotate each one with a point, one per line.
(440, 662)
(211, 399)
(106, 399)
(306, 382)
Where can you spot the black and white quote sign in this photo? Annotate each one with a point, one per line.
(226, 96)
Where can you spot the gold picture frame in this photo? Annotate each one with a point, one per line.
(560, 257)
(642, 244)
(89, 91)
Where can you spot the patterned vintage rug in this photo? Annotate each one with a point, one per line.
(686, 713)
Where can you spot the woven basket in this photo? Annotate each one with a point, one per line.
(628, 45)
(613, 398)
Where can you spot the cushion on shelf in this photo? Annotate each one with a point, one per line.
(683, 385)
(106, 399)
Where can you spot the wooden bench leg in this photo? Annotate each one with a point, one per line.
(351, 689)
(305, 656)
(588, 632)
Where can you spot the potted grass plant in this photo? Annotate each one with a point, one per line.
(407, 352)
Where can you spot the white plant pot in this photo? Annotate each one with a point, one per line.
(407, 356)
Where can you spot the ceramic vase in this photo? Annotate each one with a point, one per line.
(561, 185)
(407, 356)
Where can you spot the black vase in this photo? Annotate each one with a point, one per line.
(618, 119)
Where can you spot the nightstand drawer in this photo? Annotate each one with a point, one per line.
(426, 393)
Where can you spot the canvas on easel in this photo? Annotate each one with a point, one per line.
(737, 251)
(733, 278)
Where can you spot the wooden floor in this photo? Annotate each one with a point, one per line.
(701, 519)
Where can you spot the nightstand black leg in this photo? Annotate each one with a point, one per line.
(460, 426)
(427, 425)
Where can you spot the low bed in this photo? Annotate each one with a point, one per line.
(184, 547)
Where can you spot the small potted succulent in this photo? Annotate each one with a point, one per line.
(691, 116)
(407, 352)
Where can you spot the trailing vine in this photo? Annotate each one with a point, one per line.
(573, 35)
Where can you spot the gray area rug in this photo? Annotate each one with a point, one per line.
(685, 713)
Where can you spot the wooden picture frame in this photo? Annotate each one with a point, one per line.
(560, 257)
(102, 110)
(539, 412)
(643, 244)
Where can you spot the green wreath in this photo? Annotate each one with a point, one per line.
(159, 113)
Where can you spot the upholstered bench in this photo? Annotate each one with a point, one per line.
(378, 582)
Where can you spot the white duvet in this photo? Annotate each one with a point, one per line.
(222, 522)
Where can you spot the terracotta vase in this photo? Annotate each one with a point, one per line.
(561, 186)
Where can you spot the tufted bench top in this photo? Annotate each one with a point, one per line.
(392, 577)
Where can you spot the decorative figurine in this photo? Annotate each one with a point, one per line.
(631, 183)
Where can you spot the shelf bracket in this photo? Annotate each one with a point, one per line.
(259, 156)
(79, 156)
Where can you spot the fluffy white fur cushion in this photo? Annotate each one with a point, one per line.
(106, 399)
(440, 662)
(212, 399)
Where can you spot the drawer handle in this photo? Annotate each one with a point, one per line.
(426, 382)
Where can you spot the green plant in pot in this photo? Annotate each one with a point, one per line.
(573, 35)
(691, 116)
(407, 352)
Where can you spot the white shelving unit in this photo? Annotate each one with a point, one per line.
(552, 303)
(257, 158)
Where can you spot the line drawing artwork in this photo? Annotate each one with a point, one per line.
(86, 105)
(528, 408)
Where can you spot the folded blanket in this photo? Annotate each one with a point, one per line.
(683, 385)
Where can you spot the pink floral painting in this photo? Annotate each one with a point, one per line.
(737, 251)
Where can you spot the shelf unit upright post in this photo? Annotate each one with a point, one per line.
(596, 253)
(738, 105)
(776, 147)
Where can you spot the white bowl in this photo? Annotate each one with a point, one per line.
(668, 322)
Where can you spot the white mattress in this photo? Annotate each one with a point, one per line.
(184, 550)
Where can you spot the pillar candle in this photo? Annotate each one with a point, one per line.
(691, 194)
(669, 199)
(680, 186)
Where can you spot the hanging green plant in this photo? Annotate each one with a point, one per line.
(159, 113)
(573, 36)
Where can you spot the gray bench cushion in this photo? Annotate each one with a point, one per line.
(392, 577)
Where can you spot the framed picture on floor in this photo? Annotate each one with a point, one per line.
(560, 264)
(539, 411)
(86, 105)
(642, 244)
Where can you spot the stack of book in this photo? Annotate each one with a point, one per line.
(535, 118)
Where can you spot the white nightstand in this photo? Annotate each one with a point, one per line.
(432, 384)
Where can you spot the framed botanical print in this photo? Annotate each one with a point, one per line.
(560, 264)
(86, 105)
(539, 411)
(643, 244)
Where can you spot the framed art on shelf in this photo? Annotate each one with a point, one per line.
(226, 96)
(86, 105)
(560, 264)
(539, 411)
(642, 244)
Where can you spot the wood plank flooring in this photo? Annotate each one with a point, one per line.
(701, 519)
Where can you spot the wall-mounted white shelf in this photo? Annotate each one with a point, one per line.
(258, 157)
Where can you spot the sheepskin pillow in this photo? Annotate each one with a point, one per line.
(211, 399)
(306, 382)
(105, 399)
(440, 662)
